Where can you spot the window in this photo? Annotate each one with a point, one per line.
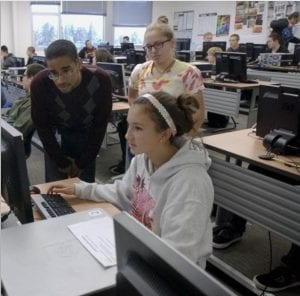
(136, 34)
(45, 25)
(49, 24)
(86, 27)
(134, 26)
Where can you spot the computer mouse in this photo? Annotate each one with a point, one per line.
(34, 190)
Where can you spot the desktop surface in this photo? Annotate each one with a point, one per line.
(50, 260)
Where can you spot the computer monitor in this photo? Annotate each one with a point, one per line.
(248, 49)
(232, 64)
(279, 109)
(183, 44)
(297, 55)
(14, 178)
(117, 74)
(184, 56)
(40, 60)
(106, 46)
(208, 44)
(149, 266)
(20, 62)
(126, 46)
(135, 57)
(257, 50)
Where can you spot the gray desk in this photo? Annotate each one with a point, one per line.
(265, 201)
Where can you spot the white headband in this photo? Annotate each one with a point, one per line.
(163, 112)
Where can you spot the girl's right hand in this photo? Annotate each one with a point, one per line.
(63, 188)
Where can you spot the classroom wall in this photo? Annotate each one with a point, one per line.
(16, 21)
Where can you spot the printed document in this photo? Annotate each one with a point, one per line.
(97, 236)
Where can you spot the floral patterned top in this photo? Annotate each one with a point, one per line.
(181, 77)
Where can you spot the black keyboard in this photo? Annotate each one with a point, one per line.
(250, 81)
(51, 205)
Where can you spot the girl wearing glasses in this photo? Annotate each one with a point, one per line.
(166, 187)
(165, 73)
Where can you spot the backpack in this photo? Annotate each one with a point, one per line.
(217, 120)
(279, 25)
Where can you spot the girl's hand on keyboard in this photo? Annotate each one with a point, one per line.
(62, 188)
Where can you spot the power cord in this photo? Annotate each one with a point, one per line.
(270, 263)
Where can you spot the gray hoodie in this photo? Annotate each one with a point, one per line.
(175, 201)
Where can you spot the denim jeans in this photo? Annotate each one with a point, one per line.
(73, 144)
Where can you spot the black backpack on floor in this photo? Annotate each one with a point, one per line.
(217, 120)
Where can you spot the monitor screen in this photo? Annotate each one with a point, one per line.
(14, 178)
(149, 266)
(108, 47)
(117, 74)
(234, 64)
(278, 107)
(40, 60)
(183, 44)
(208, 44)
(248, 49)
(135, 57)
(126, 46)
(258, 49)
(20, 62)
(184, 56)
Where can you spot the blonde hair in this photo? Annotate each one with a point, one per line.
(213, 50)
(103, 55)
(162, 28)
(163, 19)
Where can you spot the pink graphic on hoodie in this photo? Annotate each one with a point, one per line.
(142, 203)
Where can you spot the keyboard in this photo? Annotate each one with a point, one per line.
(51, 205)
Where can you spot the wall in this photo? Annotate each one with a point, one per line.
(16, 21)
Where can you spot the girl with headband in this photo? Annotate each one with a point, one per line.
(166, 187)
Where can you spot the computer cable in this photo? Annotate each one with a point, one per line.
(270, 262)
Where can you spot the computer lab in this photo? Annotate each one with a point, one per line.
(150, 148)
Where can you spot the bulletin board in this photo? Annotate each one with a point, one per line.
(280, 9)
(183, 24)
(249, 17)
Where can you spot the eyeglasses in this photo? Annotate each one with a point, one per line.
(65, 73)
(156, 45)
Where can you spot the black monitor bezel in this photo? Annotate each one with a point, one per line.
(182, 44)
(19, 201)
(126, 46)
(119, 68)
(208, 44)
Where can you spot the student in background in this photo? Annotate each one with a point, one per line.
(125, 39)
(211, 56)
(166, 187)
(162, 72)
(71, 106)
(19, 115)
(274, 44)
(208, 36)
(7, 59)
(88, 51)
(102, 55)
(30, 53)
(234, 43)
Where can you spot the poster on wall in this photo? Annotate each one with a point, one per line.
(280, 9)
(183, 24)
(207, 22)
(223, 25)
(249, 16)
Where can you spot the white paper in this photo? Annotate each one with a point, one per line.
(97, 236)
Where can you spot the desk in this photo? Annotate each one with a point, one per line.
(290, 78)
(224, 98)
(44, 258)
(270, 203)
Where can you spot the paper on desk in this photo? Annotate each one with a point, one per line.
(97, 236)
